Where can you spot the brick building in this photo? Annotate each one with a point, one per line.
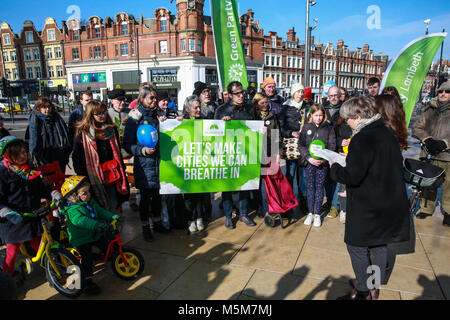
(173, 51)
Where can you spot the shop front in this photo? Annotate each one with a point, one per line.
(166, 79)
(96, 82)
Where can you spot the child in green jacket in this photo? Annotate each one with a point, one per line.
(85, 226)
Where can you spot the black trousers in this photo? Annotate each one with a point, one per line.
(87, 259)
(149, 197)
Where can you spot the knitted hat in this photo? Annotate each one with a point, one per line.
(295, 87)
(116, 94)
(445, 86)
(267, 81)
(308, 93)
(199, 87)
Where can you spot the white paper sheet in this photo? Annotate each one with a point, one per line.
(331, 156)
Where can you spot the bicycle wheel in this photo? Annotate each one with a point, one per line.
(135, 264)
(69, 282)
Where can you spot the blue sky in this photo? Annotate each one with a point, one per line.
(400, 21)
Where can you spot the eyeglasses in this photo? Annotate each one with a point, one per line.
(153, 97)
(99, 114)
(239, 93)
(442, 91)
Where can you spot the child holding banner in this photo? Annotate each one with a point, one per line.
(317, 130)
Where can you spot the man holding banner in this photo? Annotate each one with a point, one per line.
(236, 109)
(432, 129)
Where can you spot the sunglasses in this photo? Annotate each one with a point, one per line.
(442, 91)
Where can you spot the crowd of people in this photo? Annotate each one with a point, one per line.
(369, 130)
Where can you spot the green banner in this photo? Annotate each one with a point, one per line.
(228, 43)
(209, 155)
(408, 69)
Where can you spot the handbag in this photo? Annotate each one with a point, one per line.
(290, 149)
(111, 172)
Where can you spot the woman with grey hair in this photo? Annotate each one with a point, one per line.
(195, 203)
(377, 205)
(146, 161)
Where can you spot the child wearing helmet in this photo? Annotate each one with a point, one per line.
(21, 191)
(85, 226)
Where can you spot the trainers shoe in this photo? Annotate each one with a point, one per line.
(229, 223)
(192, 226)
(317, 220)
(309, 219)
(147, 233)
(342, 216)
(200, 225)
(247, 220)
(333, 213)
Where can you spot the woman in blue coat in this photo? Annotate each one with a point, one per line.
(146, 161)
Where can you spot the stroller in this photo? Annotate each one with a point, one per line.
(280, 197)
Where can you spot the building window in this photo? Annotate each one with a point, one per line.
(132, 49)
(163, 24)
(29, 73)
(97, 32)
(15, 74)
(199, 45)
(97, 52)
(5, 56)
(59, 71)
(273, 61)
(124, 49)
(75, 54)
(191, 44)
(76, 34)
(49, 53)
(124, 28)
(13, 56)
(274, 42)
(6, 39)
(279, 61)
(8, 74)
(51, 35)
(243, 29)
(183, 45)
(245, 47)
(29, 36)
(163, 46)
(116, 47)
(27, 54)
(267, 61)
(51, 73)
(37, 70)
(36, 54)
(57, 52)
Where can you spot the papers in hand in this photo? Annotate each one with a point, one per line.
(331, 156)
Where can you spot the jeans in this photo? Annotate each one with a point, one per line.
(227, 198)
(293, 170)
(331, 190)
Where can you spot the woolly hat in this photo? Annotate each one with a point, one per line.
(199, 87)
(267, 81)
(116, 94)
(308, 93)
(445, 86)
(162, 95)
(295, 87)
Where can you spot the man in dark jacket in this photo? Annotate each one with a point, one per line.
(204, 93)
(332, 107)
(377, 207)
(275, 100)
(77, 115)
(236, 109)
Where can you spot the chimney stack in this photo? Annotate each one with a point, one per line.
(291, 35)
(366, 48)
(340, 44)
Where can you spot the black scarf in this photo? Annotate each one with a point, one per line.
(54, 131)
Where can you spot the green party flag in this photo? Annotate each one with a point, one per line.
(209, 155)
(228, 43)
(408, 69)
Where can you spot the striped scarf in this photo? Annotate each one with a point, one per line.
(23, 171)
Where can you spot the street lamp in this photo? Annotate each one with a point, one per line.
(308, 41)
(427, 23)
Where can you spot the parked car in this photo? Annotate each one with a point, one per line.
(4, 104)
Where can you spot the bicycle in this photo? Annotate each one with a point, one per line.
(424, 179)
(62, 268)
(126, 263)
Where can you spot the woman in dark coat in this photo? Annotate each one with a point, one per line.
(146, 161)
(48, 135)
(377, 206)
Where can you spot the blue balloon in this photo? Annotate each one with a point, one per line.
(147, 135)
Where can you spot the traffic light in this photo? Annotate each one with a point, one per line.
(3, 86)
